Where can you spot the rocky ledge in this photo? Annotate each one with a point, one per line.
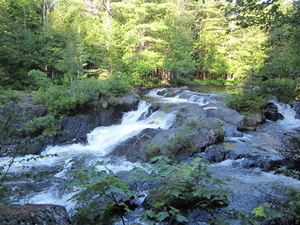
(34, 214)
(69, 130)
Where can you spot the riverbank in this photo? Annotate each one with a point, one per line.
(182, 125)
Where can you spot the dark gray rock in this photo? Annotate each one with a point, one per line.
(193, 131)
(225, 114)
(271, 112)
(34, 214)
(130, 102)
(171, 92)
(132, 148)
(247, 123)
(69, 130)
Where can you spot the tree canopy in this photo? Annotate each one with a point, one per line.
(147, 41)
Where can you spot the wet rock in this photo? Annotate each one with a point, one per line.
(246, 159)
(169, 93)
(130, 102)
(226, 114)
(69, 130)
(271, 112)
(15, 114)
(247, 123)
(132, 148)
(214, 154)
(34, 214)
(74, 129)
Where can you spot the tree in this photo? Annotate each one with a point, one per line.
(223, 50)
(281, 20)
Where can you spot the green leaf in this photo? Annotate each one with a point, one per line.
(161, 216)
(259, 212)
(181, 218)
(158, 204)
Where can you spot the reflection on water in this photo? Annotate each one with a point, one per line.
(223, 89)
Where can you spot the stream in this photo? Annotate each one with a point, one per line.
(250, 184)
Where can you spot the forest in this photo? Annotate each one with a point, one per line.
(146, 43)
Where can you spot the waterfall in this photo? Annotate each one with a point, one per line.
(101, 141)
(289, 122)
(247, 182)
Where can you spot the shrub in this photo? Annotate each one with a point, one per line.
(179, 187)
(58, 99)
(94, 184)
(7, 95)
(67, 99)
(293, 206)
(256, 93)
(284, 90)
(38, 79)
(181, 142)
(40, 125)
(115, 86)
(181, 81)
(151, 149)
(246, 102)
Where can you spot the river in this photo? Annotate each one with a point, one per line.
(248, 183)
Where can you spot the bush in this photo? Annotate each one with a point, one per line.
(246, 102)
(104, 184)
(114, 87)
(180, 143)
(152, 149)
(255, 94)
(7, 95)
(40, 125)
(58, 99)
(38, 79)
(284, 90)
(179, 187)
(293, 206)
(181, 81)
(65, 100)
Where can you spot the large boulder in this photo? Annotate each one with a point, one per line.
(130, 102)
(34, 214)
(249, 123)
(225, 114)
(192, 132)
(271, 112)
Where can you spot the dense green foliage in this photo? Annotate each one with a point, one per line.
(147, 44)
(179, 188)
(256, 93)
(66, 99)
(104, 184)
(173, 191)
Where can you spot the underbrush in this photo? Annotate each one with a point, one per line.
(65, 100)
(173, 191)
(254, 95)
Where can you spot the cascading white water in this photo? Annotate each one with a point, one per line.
(101, 141)
(181, 97)
(289, 121)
